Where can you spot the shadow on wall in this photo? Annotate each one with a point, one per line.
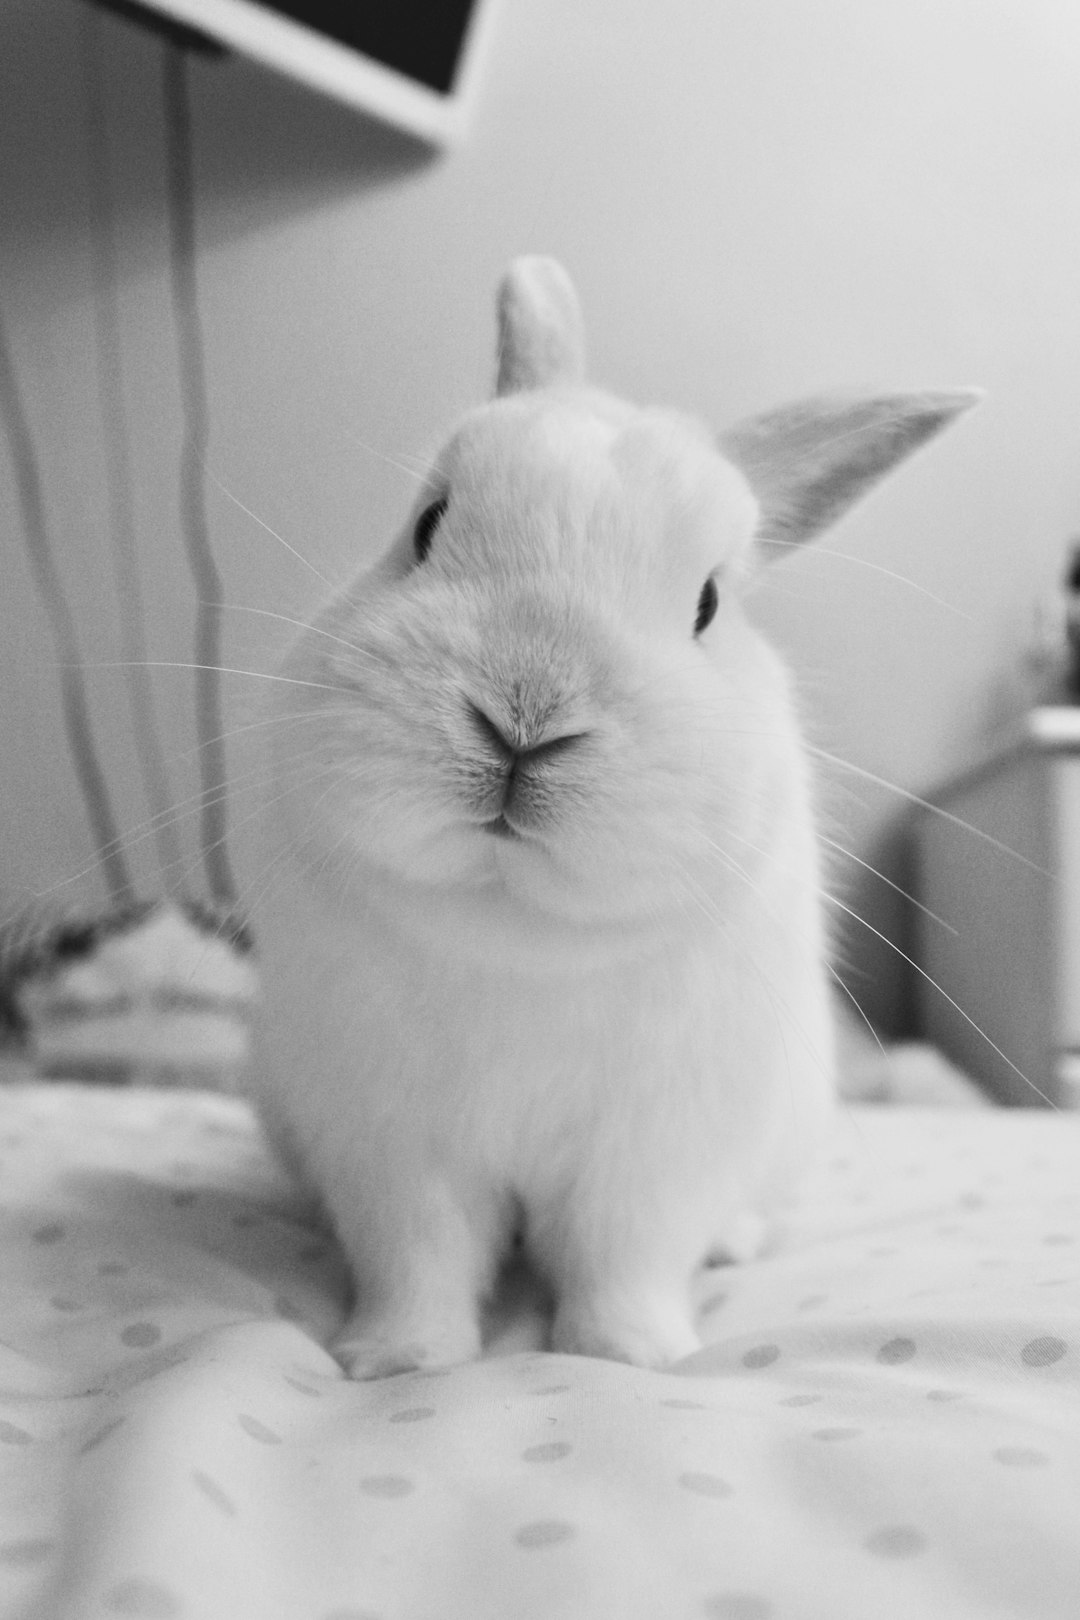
(265, 146)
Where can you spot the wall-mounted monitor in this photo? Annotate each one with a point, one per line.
(413, 63)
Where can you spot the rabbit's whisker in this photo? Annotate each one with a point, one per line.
(921, 971)
(926, 804)
(255, 518)
(300, 624)
(905, 894)
(738, 870)
(864, 562)
(220, 669)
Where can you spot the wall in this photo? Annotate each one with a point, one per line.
(756, 201)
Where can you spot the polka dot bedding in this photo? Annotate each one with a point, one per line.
(884, 1422)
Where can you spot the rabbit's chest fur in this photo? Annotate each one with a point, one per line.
(677, 1051)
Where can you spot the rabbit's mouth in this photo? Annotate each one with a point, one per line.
(501, 828)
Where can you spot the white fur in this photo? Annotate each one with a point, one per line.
(611, 1032)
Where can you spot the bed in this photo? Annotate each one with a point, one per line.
(884, 1423)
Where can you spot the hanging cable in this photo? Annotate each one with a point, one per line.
(91, 779)
(196, 531)
(109, 362)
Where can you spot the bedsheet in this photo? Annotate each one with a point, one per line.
(884, 1424)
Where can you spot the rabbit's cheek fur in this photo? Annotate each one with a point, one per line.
(652, 794)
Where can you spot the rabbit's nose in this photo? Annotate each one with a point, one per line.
(512, 743)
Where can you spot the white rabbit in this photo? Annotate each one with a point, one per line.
(539, 930)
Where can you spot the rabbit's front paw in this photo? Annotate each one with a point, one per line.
(647, 1333)
(379, 1349)
(743, 1237)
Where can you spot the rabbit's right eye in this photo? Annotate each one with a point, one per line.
(708, 602)
(426, 524)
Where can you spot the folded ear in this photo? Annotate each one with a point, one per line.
(541, 334)
(808, 462)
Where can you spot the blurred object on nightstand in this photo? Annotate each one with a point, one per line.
(1072, 624)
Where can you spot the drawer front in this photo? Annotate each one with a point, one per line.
(996, 1013)
(1064, 924)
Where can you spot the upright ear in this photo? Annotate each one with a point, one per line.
(541, 334)
(808, 462)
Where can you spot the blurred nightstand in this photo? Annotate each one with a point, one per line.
(1013, 963)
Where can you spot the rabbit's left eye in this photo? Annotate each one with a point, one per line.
(426, 524)
(708, 602)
